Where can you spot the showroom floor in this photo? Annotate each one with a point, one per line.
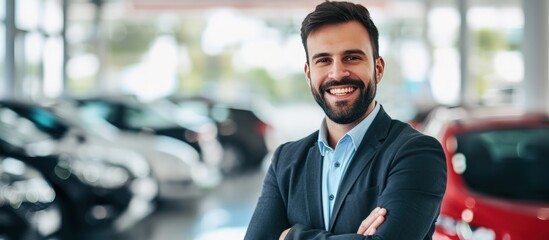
(225, 212)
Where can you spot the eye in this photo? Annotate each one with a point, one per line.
(351, 58)
(323, 60)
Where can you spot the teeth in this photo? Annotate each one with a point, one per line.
(341, 91)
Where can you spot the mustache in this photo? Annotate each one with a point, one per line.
(346, 81)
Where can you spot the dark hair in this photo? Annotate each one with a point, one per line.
(339, 12)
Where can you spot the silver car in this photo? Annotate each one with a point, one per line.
(175, 164)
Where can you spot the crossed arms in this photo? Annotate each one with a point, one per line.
(368, 226)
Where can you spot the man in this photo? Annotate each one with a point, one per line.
(328, 185)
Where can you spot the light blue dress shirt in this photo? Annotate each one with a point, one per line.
(337, 160)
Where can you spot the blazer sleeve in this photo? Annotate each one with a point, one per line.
(415, 185)
(269, 219)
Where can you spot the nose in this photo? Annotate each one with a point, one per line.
(338, 71)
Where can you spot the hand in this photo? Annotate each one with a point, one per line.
(283, 234)
(369, 226)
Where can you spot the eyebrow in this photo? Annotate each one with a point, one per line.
(354, 51)
(319, 55)
(346, 52)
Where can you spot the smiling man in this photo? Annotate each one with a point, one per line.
(363, 175)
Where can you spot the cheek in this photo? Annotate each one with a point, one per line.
(319, 72)
(314, 85)
(314, 80)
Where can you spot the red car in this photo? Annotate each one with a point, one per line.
(498, 174)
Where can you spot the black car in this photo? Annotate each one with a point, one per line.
(86, 205)
(241, 132)
(99, 188)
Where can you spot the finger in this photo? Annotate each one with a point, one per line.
(382, 211)
(374, 226)
(380, 218)
(365, 224)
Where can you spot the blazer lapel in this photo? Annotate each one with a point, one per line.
(313, 186)
(363, 156)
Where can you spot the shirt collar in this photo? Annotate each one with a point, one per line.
(356, 134)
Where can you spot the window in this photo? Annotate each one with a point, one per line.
(509, 163)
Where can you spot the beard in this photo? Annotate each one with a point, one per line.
(344, 112)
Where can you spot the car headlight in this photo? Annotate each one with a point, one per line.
(25, 189)
(100, 174)
(92, 172)
(23, 185)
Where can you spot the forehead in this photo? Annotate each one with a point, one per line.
(335, 38)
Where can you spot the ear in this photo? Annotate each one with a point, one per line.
(307, 71)
(380, 68)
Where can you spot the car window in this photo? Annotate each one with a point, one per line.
(19, 131)
(33, 119)
(99, 109)
(195, 106)
(509, 163)
(142, 117)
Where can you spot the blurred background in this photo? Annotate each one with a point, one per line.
(156, 119)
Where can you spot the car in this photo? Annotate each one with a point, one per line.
(29, 207)
(498, 173)
(131, 115)
(105, 187)
(175, 164)
(86, 204)
(241, 132)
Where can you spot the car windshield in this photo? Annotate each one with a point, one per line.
(136, 116)
(33, 120)
(192, 116)
(18, 131)
(506, 163)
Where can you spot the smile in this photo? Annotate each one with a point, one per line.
(341, 91)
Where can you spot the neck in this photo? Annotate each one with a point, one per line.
(336, 131)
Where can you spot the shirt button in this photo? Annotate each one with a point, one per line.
(331, 197)
(337, 164)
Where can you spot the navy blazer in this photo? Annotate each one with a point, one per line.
(395, 167)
